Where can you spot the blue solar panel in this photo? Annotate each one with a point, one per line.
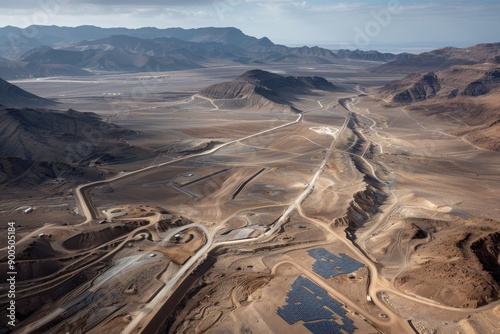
(324, 327)
(306, 309)
(316, 313)
(329, 265)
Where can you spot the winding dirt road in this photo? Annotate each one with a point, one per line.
(378, 284)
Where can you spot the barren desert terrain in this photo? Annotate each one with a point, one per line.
(303, 208)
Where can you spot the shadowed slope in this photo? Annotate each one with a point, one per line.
(13, 96)
(257, 88)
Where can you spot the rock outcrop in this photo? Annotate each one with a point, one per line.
(425, 87)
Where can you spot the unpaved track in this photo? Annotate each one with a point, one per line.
(378, 284)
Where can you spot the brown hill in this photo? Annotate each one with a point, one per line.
(258, 89)
(441, 59)
(43, 135)
(41, 145)
(413, 88)
(459, 266)
(460, 80)
(486, 135)
(13, 96)
(495, 60)
(468, 94)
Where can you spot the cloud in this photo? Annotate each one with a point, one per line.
(39, 4)
(341, 7)
(146, 3)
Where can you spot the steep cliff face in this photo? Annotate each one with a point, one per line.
(487, 251)
(364, 205)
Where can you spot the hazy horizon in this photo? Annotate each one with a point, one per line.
(385, 48)
(367, 24)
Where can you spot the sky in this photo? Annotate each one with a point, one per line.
(363, 24)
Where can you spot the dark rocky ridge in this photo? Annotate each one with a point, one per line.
(425, 87)
(27, 174)
(13, 96)
(472, 80)
(484, 85)
(43, 135)
(467, 93)
(487, 251)
(42, 147)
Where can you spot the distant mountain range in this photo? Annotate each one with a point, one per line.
(16, 41)
(39, 51)
(441, 59)
(259, 89)
(53, 51)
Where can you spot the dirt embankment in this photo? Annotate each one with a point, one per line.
(28, 270)
(38, 249)
(487, 251)
(95, 238)
(365, 203)
(202, 147)
(36, 260)
(170, 221)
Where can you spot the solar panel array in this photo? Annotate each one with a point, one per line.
(329, 327)
(311, 304)
(329, 265)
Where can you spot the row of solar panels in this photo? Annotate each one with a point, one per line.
(329, 327)
(329, 265)
(304, 305)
